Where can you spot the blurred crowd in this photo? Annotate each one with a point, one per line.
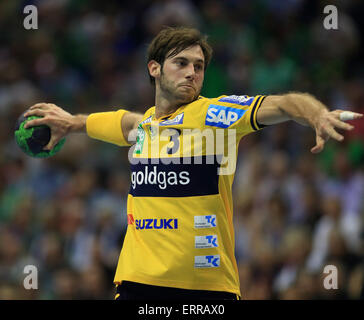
(295, 212)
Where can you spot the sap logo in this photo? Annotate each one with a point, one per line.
(222, 117)
(211, 261)
(203, 242)
(205, 221)
(241, 100)
(177, 120)
(141, 224)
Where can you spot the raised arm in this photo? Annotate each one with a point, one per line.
(308, 111)
(106, 126)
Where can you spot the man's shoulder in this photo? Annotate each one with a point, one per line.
(149, 112)
(204, 101)
(203, 104)
(242, 100)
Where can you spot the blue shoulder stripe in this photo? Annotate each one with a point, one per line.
(241, 100)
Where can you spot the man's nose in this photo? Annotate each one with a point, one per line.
(190, 71)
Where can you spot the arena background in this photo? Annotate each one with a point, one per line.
(295, 212)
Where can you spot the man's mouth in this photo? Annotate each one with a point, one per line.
(187, 85)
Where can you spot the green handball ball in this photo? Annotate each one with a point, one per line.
(32, 140)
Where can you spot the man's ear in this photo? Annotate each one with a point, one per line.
(154, 68)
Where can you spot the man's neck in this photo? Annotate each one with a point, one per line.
(165, 105)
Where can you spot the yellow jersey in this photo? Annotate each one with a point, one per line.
(180, 211)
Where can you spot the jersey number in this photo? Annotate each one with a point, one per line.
(174, 137)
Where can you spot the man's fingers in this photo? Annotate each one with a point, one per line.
(35, 112)
(42, 105)
(341, 125)
(316, 149)
(39, 106)
(51, 144)
(333, 134)
(35, 122)
(38, 109)
(349, 115)
(320, 143)
(336, 120)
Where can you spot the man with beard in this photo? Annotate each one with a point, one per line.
(180, 238)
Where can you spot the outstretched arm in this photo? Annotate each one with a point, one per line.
(305, 110)
(62, 122)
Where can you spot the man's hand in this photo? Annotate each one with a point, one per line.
(308, 111)
(326, 123)
(60, 121)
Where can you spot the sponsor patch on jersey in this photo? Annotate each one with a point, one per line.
(165, 179)
(211, 261)
(139, 140)
(208, 221)
(178, 119)
(241, 100)
(203, 242)
(130, 219)
(141, 224)
(222, 117)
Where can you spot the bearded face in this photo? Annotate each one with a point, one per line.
(181, 76)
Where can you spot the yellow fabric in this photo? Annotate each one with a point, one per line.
(163, 240)
(106, 126)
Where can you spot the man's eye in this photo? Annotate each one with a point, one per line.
(181, 63)
(199, 67)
